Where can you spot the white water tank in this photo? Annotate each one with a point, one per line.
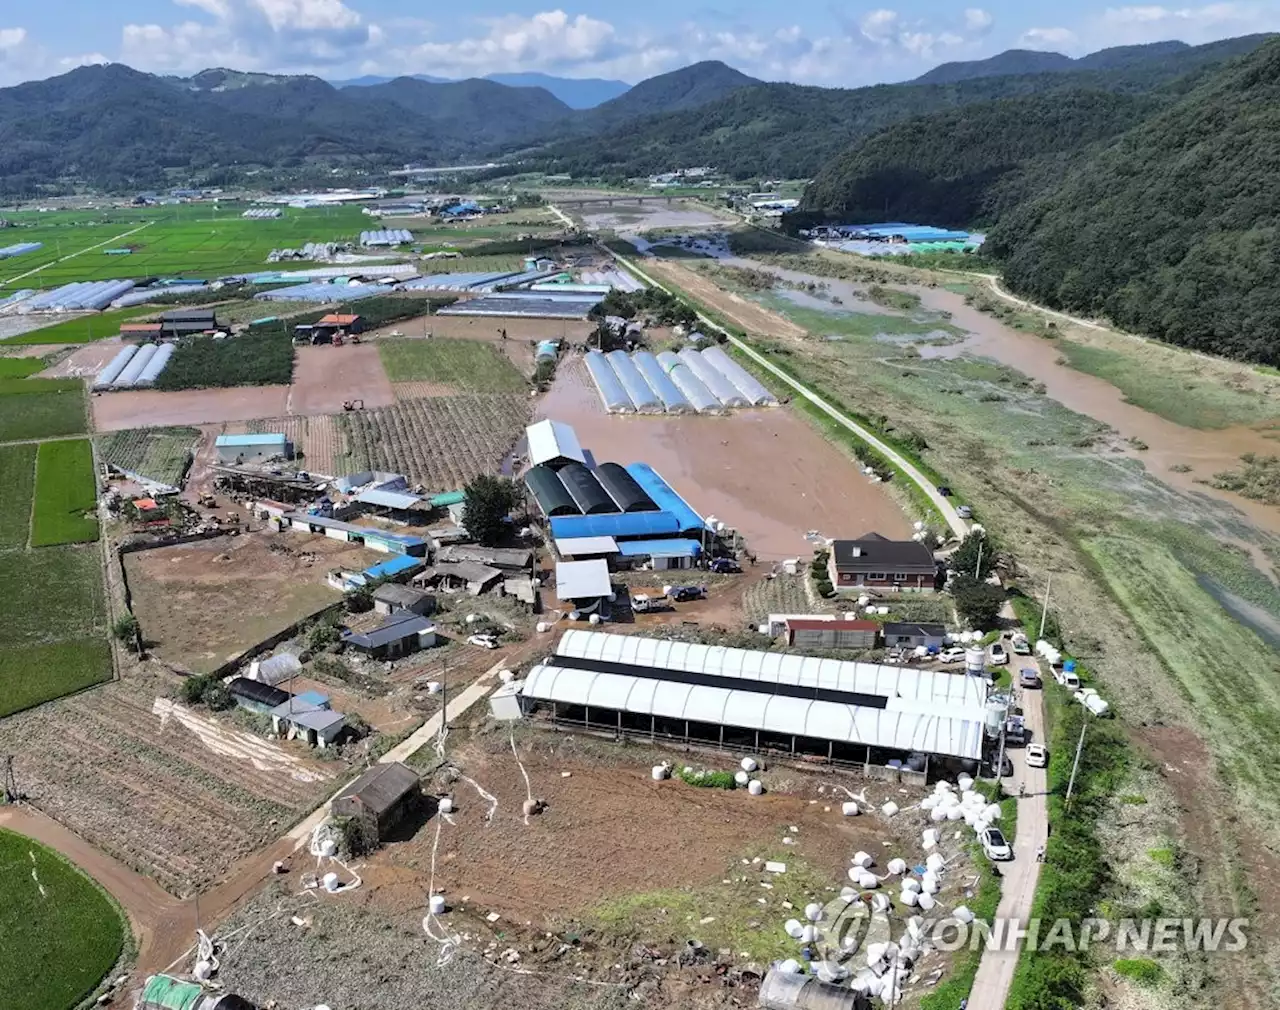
(436, 904)
(975, 661)
(997, 713)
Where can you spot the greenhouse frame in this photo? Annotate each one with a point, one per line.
(612, 395)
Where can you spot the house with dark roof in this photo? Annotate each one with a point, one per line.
(878, 563)
(391, 597)
(384, 795)
(908, 635)
(400, 634)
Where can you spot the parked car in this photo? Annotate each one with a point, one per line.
(686, 594)
(1028, 678)
(988, 768)
(995, 846)
(1067, 679)
(1021, 647)
(999, 654)
(954, 654)
(944, 491)
(1037, 756)
(483, 641)
(964, 511)
(724, 566)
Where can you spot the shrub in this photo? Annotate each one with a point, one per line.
(825, 588)
(359, 600)
(323, 633)
(1142, 970)
(707, 779)
(206, 690)
(125, 629)
(977, 603)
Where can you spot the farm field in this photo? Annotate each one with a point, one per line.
(83, 362)
(470, 365)
(326, 377)
(18, 464)
(143, 408)
(62, 932)
(19, 368)
(203, 603)
(158, 453)
(251, 359)
(84, 328)
(41, 408)
(318, 438)
(52, 642)
(195, 240)
(66, 494)
(172, 793)
(440, 442)
(471, 264)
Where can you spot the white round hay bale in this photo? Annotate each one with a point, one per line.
(910, 884)
(908, 954)
(955, 813)
(889, 809)
(793, 928)
(880, 902)
(942, 786)
(861, 983)
(929, 802)
(927, 901)
(848, 893)
(542, 627)
(929, 837)
(992, 812)
(506, 676)
(868, 881)
(446, 805)
(965, 782)
(928, 886)
(935, 863)
(755, 787)
(854, 873)
(749, 764)
(918, 526)
(790, 967)
(472, 618)
(863, 600)
(961, 913)
(849, 809)
(436, 904)
(863, 860)
(202, 971)
(910, 898)
(882, 611)
(434, 687)
(948, 800)
(875, 953)
(897, 867)
(575, 615)
(938, 814)
(328, 847)
(915, 927)
(330, 882)
(593, 619)
(659, 772)
(813, 911)
(809, 934)
(742, 778)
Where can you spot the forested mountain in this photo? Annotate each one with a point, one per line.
(966, 167)
(1173, 229)
(686, 88)
(575, 92)
(790, 130)
(1006, 64)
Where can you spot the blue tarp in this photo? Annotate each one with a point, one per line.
(616, 525)
(395, 566)
(665, 497)
(660, 548)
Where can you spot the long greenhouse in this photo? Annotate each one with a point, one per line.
(642, 397)
(721, 388)
(660, 382)
(612, 395)
(747, 384)
(702, 399)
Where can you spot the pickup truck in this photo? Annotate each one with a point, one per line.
(686, 594)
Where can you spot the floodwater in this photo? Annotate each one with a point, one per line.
(1168, 444)
(763, 471)
(642, 217)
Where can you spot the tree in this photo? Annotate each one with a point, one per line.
(489, 501)
(126, 630)
(360, 600)
(975, 557)
(977, 603)
(322, 634)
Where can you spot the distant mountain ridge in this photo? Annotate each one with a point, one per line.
(575, 92)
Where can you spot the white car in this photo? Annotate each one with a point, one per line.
(483, 641)
(999, 654)
(995, 845)
(952, 655)
(1037, 755)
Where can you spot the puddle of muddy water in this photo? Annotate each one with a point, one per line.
(1261, 622)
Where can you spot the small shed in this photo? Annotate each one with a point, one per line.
(391, 597)
(255, 695)
(583, 583)
(384, 795)
(905, 635)
(301, 720)
(399, 635)
(275, 669)
(504, 703)
(820, 634)
(554, 444)
(235, 449)
(661, 554)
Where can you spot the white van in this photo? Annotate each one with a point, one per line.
(1067, 679)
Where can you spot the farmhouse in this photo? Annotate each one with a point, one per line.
(188, 322)
(471, 576)
(237, 449)
(255, 695)
(384, 796)
(140, 331)
(400, 634)
(390, 597)
(822, 634)
(744, 699)
(875, 562)
(303, 719)
(903, 635)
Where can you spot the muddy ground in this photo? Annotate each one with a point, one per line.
(150, 408)
(324, 378)
(764, 471)
(83, 363)
(203, 603)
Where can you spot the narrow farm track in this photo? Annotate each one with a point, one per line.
(958, 526)
(71, 256)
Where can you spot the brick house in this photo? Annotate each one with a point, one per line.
(877, 563)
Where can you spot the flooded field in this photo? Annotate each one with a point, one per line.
(765, 472)
(642, 217)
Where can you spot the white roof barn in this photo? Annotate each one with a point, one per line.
(553, 443)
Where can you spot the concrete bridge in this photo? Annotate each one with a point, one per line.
(620, 201)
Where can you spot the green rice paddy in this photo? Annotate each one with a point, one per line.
(468, 364)
(66, 494)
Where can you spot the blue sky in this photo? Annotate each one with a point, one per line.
(809, 41)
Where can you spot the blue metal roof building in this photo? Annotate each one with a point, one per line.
(617, 525)
(665, 497)
(392, 567)
(673, 548)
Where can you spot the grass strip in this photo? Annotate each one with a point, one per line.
(66, 494)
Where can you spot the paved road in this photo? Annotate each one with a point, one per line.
(1018, 888)
(958, 526)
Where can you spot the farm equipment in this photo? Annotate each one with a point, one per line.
(353, 405)
(207, 501)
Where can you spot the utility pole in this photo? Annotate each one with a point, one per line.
(1075, 765)
(1000, 760)
(977, 569)
(1044, 610)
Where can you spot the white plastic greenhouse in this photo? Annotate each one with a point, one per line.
(719, 385)
(612, 395)
(660, 382)
(129, 377)
(114, 367)
(147, 377)
(698, 395)
(746, 383)
(642, 396)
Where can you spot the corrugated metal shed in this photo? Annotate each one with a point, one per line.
(256, 690)
(577, 546)
(623, 489)
(554, 443)
(392, 567)
(382, 787)
(549, 492)
(235, 441)
(388, 499)
(586, 491)
(582, 580)
(618, 525)
(669, 548)
(665, 497)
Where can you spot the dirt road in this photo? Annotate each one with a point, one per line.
(958, 526)
(1018, 887)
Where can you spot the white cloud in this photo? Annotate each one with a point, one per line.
(879, 26)
(271, 35)
(978, 21)
(1047, 38)
(1155, 23)
(11, 38)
